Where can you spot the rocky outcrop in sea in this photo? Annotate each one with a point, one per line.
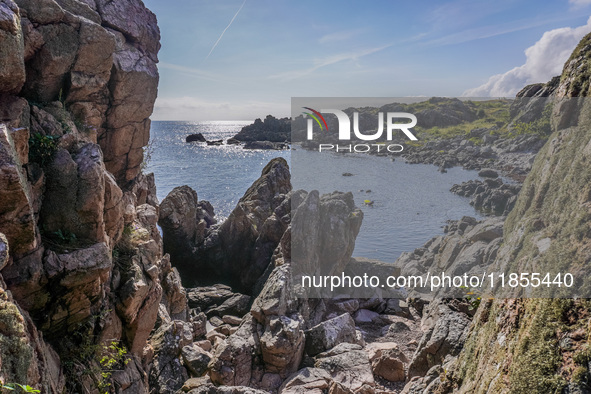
(271, 129)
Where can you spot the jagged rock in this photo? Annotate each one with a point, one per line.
(142, 28)
(88, 94)
(199, 322)
(387, 361)
(46, 71)
(131, 379)
(275, 298)
(195, 383)
(174, 297)
(140, 293)
(82, 276)
(238, 251)
(133, 85)
(4, 251)
(195, 359)
(229, 319)
(487, 231)
(234, 359)
(445, 331)
(167, 373)
(211, 389)
(323, 233)
(469, 247)
(195, 137)
(423, 384)
(348, 365)
(306, 380)
(12, 70)
(365, 316)
(184, 224)
(75, 194)
(17, 220)
(282, 345)
(113, 212)
(330, 333)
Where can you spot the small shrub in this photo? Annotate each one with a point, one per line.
(580, 375)
(42, 148)
(113, 358)
(24, 388)
(583, 356)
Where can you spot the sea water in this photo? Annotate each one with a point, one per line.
(410, 205)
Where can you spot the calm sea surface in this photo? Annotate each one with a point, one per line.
(411, 203)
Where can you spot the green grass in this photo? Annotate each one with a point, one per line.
(490, 113)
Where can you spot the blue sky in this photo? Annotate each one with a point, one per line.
(276, 49)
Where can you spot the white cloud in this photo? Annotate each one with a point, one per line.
(580, 3)
(544, 60)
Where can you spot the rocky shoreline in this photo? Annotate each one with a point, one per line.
(94, 299)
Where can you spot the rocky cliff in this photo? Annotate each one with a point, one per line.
(82, 270)
(538, 345)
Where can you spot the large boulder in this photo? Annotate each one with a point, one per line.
(80, 279)
(282, 345)
(348, 365)
(306, 380)
(387, 361)
(184, 223)
(330, 333)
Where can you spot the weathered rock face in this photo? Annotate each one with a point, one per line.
(535, 345)
(97, 61)
(348, 365)
(17, 219)
(74, 200)
(445, 328)
(238, 251)
(323, 233)
(24, 355)
(12, 71)
(184, 223)
(85, 257)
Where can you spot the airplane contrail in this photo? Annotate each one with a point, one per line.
(221, 35)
